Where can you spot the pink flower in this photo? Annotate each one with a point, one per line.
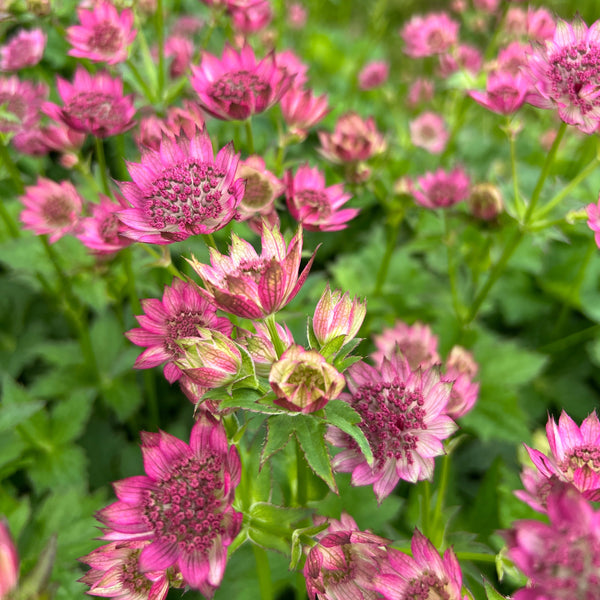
(51, 208)
(316, 207)
(540, 24)
(178, 315)
(512, 58)
(416, 343)
(537, 489)
(252, 286)
(253, 17)
(93, 104)
(565, 74)
(403, 418)
(344, 562)
(297, 15)
(424, 575)
(23, 50)
(593, 222)
(575, 454)
(115, 573)
(262, 188)
(181, 190)
(237, 86)
(104, 35)
(489, 6)
(505, 93)
(22, 100)
(561, 558)
(290, 64)
(465, 57)
(182, 505)
(428, 131)
(302, 110)
(515, 21)
(9, 561)
(373, 75)
(461, 368)
(181, 50)
(31, 141)
(441, 189)
(420, 92)
(431, 34)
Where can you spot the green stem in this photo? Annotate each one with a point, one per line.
(12, 169)
(476, 556)
(264, 572)
(170, 266)
(140, 80)
(101, 157)
(12, 227)
(160, 41)
(301, 476)
(392, 234)
(570, 340)
(277, 343)
(301, 593)
(249, 136)
(513, 163)
(209, 240)
(426, 504)
(456, 303)
(439, 503)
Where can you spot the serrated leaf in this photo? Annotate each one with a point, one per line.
(279, 430)
(332, 347)
(17, 405)
(344, 417)
(70, 416)
(342, 364)
(310, 434)
(491, 593)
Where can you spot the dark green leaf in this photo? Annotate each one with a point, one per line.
(310, 433)
(343, 416)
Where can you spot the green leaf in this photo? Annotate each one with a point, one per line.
(270, 526)
(124, 396)
(299, 538)
(491, 593)
(313, 342)
(17, 405)
(344, 417)
(332, 347)
(279, 430)
(70, 416)
(310, 433)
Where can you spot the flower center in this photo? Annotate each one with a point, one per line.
(186, 509)
(131, 579)
(109, 228)
(185, 195)
(259, 191)
(106, 38)
(183, 325)
(587, 457)
(57, 211)
(391, 418)
(316, 200)
(442, 194)
(97, 108)
(240, 93)
(426, 587)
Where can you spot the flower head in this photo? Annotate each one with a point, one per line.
(428, 131)
(461, 368)
(180, 190)
(251, 17)
(104, 35)
(442, 189)
(593, 222)
(297, 15)
(260, 346)
(464, 57)
(9, 560)
(181, 50)
(252, 286)
(22, 101)
(420, 92)
(182, 505)
(373, 74)
(505, 93)
(431, 34)
(485, 201)
(403, 418)
(302, 110)
(23, 50)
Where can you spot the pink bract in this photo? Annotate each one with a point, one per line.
(461, 368)
(505, 93)
(302, 110)
(23, 100)
(429, 131)
(238, 86)
(182, 505)
(316, 207)
(373, 74)
(178, 315)
(289, 63)
(252, 286)
(431, 34)
(181, 190)
(23, 50)
(181, 50)
(442, 189)
(403, 418)
(104, 35)
(93, 104)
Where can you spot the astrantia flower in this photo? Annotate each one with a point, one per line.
(566, 74)
(302, 110)
(316, 207)
(181, 190)
(431, 34)
(262, 188)
(403, 418)
(461, 368)
(540, 24)
(23, 50)
(9, 560)
(429, 131)
(93, 104)
(373, 74)
(252, 286)
(238, 86)
(51, 208)
(181, 49)
(260, 346)
(593, 214)
(178, 315)
(485, 201)
(441, 189)
(420, 92)
(465, 57)
(22, 100)
(504, 94)
(182, 505)
(104, 35)
(424, 575)
(253, 17)
(289, 63)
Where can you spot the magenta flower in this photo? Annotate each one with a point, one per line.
(178, 315)
(181, 50)
(593, 222)
(9, 560)
(403, 418)
(431, 34)
(537, 488)
(181, 190)
(461, 368)
(256, 15)
(429, 131)
(302, 110)
(115, 573)
(424, 575)
(540, 24)
(22, 100)
(237, 86)
(252, 286)
(93, 104)
(373, 74)
(104, 35)
(505, 93)
(420, 92)
(316, 207)
(575, 454)
(23, 50)
(289, 63)
(565, 74)
(442, 189)
(182, 505)
(464, 57)
(51, 208)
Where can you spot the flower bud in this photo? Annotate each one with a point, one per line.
(9, 561)
(485, 201)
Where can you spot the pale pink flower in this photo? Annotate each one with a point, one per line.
(316, 207)
(464, 57)
(104, 35)
(537, 488)
(417, 343)
(575, 454)
(565, 74)
(178, 315)
(420, 92)
(187, 26)
(540, 24)
(115, 573)
(253, 17)
(25, 49)
(51, 208)
(403, 418)
(442, 189)
(181, 190)
(262, 188)
(184, 120)
(489, 6)
(302, 110)
(93, 104)
(181, 50)
(31, 141)
(373, 74)
(461, 368)
(344, 562)
(430, 34)
(252, 286)
(22, 100)
(593, 222)
(485, 201)
(9, 561)
(182, 505)
(515, 21)
(289, 63)
(429, 131)
(423, 575)
(512, 58)
(238, 86)
(505, 93)
(297, 15)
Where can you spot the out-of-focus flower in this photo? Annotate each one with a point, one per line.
(262, 188)
(428, 131)
(290, 64)
(465, 57)
(23, 50)
(593, 214)
(181, 50)
(512, 58)
(540, 24)
(21, 102)
(93, 104)
(420, 92)
(403, 418)
(296, 15)
(183, 505)
(373, 74)
(316, 207)
(442, 189)
(252, 286)
(9, 561)
(461, 368)
(505, 93)
(104, 35)
(537, 488)
(485, 201)
(187, 26)
(31, 141)
(302, 110)
(51, 208)
(181, 190)
(62, 138)
(515, 21)
(489, 6)
(253, 17)
(430, 34)
(238, 86)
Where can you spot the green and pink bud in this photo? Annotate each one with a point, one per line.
(9, 561)
(304, 381)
